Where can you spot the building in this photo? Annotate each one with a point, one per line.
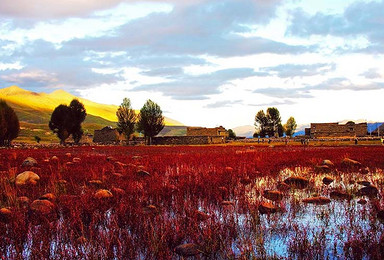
(203, 131)
(107, 135)
(349, 129)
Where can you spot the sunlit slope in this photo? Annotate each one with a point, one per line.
(38, 104)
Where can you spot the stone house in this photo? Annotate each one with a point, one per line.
(203, 131)
(107, 135)
(350, 129)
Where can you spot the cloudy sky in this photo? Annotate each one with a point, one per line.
(205, 62)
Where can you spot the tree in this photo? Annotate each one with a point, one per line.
(9, 124)
(261, 124)
(290, 126)
(126, 117)
(151, 120)
(66, 121)
(231, 134)
(268, 123)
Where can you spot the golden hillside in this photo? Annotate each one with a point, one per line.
(44, 102)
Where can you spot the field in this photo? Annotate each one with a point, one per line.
(212, 202)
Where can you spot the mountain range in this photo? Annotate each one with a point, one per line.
(34, 112)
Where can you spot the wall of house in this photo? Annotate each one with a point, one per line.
(337, 130)
(187, 140)
(106, 136)
(203, 131)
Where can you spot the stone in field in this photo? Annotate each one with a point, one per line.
(362, 201)
(23, 201)
(327, 180)
(76, 160)
(297, 182)
(103, 194)
(267, 208)
(282, 186)
(29, 162)
(150, 209)
(95, 183)
(329, 163)
(369, 191)
(340, 195)
(26, 178)
(273, 195)
(348, 163)
(245, 181)
(43, 207)
(5, 215)
(201, 216)
(322, 168)
(48, 196)
(227, 203)
(364, 183)
(142, 173)
(189, 249)
(317, 200)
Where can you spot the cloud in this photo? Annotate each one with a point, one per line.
(371, 74)
(187, 87)
(298, 70)
(165, 72)
(345, 84)
(224, 103)
(359, 19)
(274, 103)
(284, 92)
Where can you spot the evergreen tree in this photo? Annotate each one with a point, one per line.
(151, 120)
(126, 117)
(9, 124)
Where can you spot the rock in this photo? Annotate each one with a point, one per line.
(322, 168)
(48, 196)
(111, 159)
(26, 178)
(23, 201)
(267, 208)
(273, 195)
(328, 163)
(365, 170)
(142, 173)
(364, 183)
(317, 200)
(54, 158)
(327, 180)
(348, 163)
(150, 209)
(103, 194)
(5, 215)
(29, 162)
(118, 192)
(81, 240)
(282, 186)
(76, 160)
(380, 215)
(62, 182)
(189, 249)
(297, 182)
(68, 155)
(43, 207)
(201, 216)
(362, 201)
(245, 181)
(95, 183)
(340, 195)
(228, 169)
(227, 203)
(369, 191)
(137, 157)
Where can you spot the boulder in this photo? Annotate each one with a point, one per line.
(76, 160)
(189, 249)
(95, 183)
(329, 163)
(201, 216)
(273, 195)
(282, 186)
(42, 207)
(5, 215)
(245, 181)
(227, 203)
(317, 200)
(142, 173)
(103, 194)
(369, 191)
(297, 182)
(54, 158)
(23, 201)
(349, 163)
(322, 169)
(267, 208)
(327, 180)
(150, 209)
(362, 201)
(26, 178)
(364, 183)
(48, 196)
(29, 162)
(340, 195)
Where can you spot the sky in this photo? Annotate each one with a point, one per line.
(206, 63)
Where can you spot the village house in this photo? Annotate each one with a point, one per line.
(107, 135)
(350, 129)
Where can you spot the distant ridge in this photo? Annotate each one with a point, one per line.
(43, 102)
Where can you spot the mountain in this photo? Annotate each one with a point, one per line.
(245, 130)
(34, 111)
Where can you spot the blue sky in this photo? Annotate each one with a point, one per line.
(205, 62)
